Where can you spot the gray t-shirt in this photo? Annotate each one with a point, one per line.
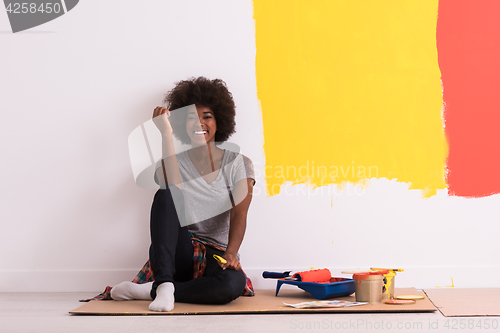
(207, 205)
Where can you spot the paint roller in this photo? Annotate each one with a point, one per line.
(318, 275)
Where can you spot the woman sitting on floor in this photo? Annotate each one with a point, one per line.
(202, 203)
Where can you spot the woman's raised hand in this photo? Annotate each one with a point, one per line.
(160, 118)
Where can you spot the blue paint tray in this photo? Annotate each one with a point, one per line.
(338, 287)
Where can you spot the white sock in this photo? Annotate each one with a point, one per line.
(128, 290)
(164, 300)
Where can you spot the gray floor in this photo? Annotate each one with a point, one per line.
(48, 312)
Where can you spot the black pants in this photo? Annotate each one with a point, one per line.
(171, 257)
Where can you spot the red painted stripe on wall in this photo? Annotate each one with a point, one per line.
(468, 42)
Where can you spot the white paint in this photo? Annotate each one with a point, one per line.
(71, 217)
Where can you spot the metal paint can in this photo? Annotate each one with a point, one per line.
(369, 286)
(389, 282)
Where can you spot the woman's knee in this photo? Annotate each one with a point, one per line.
(232, 286)
(170, 193)
(169, 200)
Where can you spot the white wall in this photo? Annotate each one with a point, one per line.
(71, 217)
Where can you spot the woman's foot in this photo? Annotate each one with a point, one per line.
(128, 290)
(164, 300)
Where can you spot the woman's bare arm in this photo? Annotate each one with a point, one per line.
(238, 222)
(168, 173)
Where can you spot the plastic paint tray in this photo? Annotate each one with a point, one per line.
(338, 287)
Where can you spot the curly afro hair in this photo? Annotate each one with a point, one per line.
(201, 91)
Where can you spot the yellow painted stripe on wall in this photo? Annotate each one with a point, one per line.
(350, 90)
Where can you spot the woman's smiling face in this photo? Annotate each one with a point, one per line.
(201, 125)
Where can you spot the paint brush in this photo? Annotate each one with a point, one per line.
(220, 259)
(388, 269)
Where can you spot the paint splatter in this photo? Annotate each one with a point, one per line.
(468, 42)
(350, 90)
(452, 285)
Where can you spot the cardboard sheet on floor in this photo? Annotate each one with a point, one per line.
(263, 302)
(458, 302)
